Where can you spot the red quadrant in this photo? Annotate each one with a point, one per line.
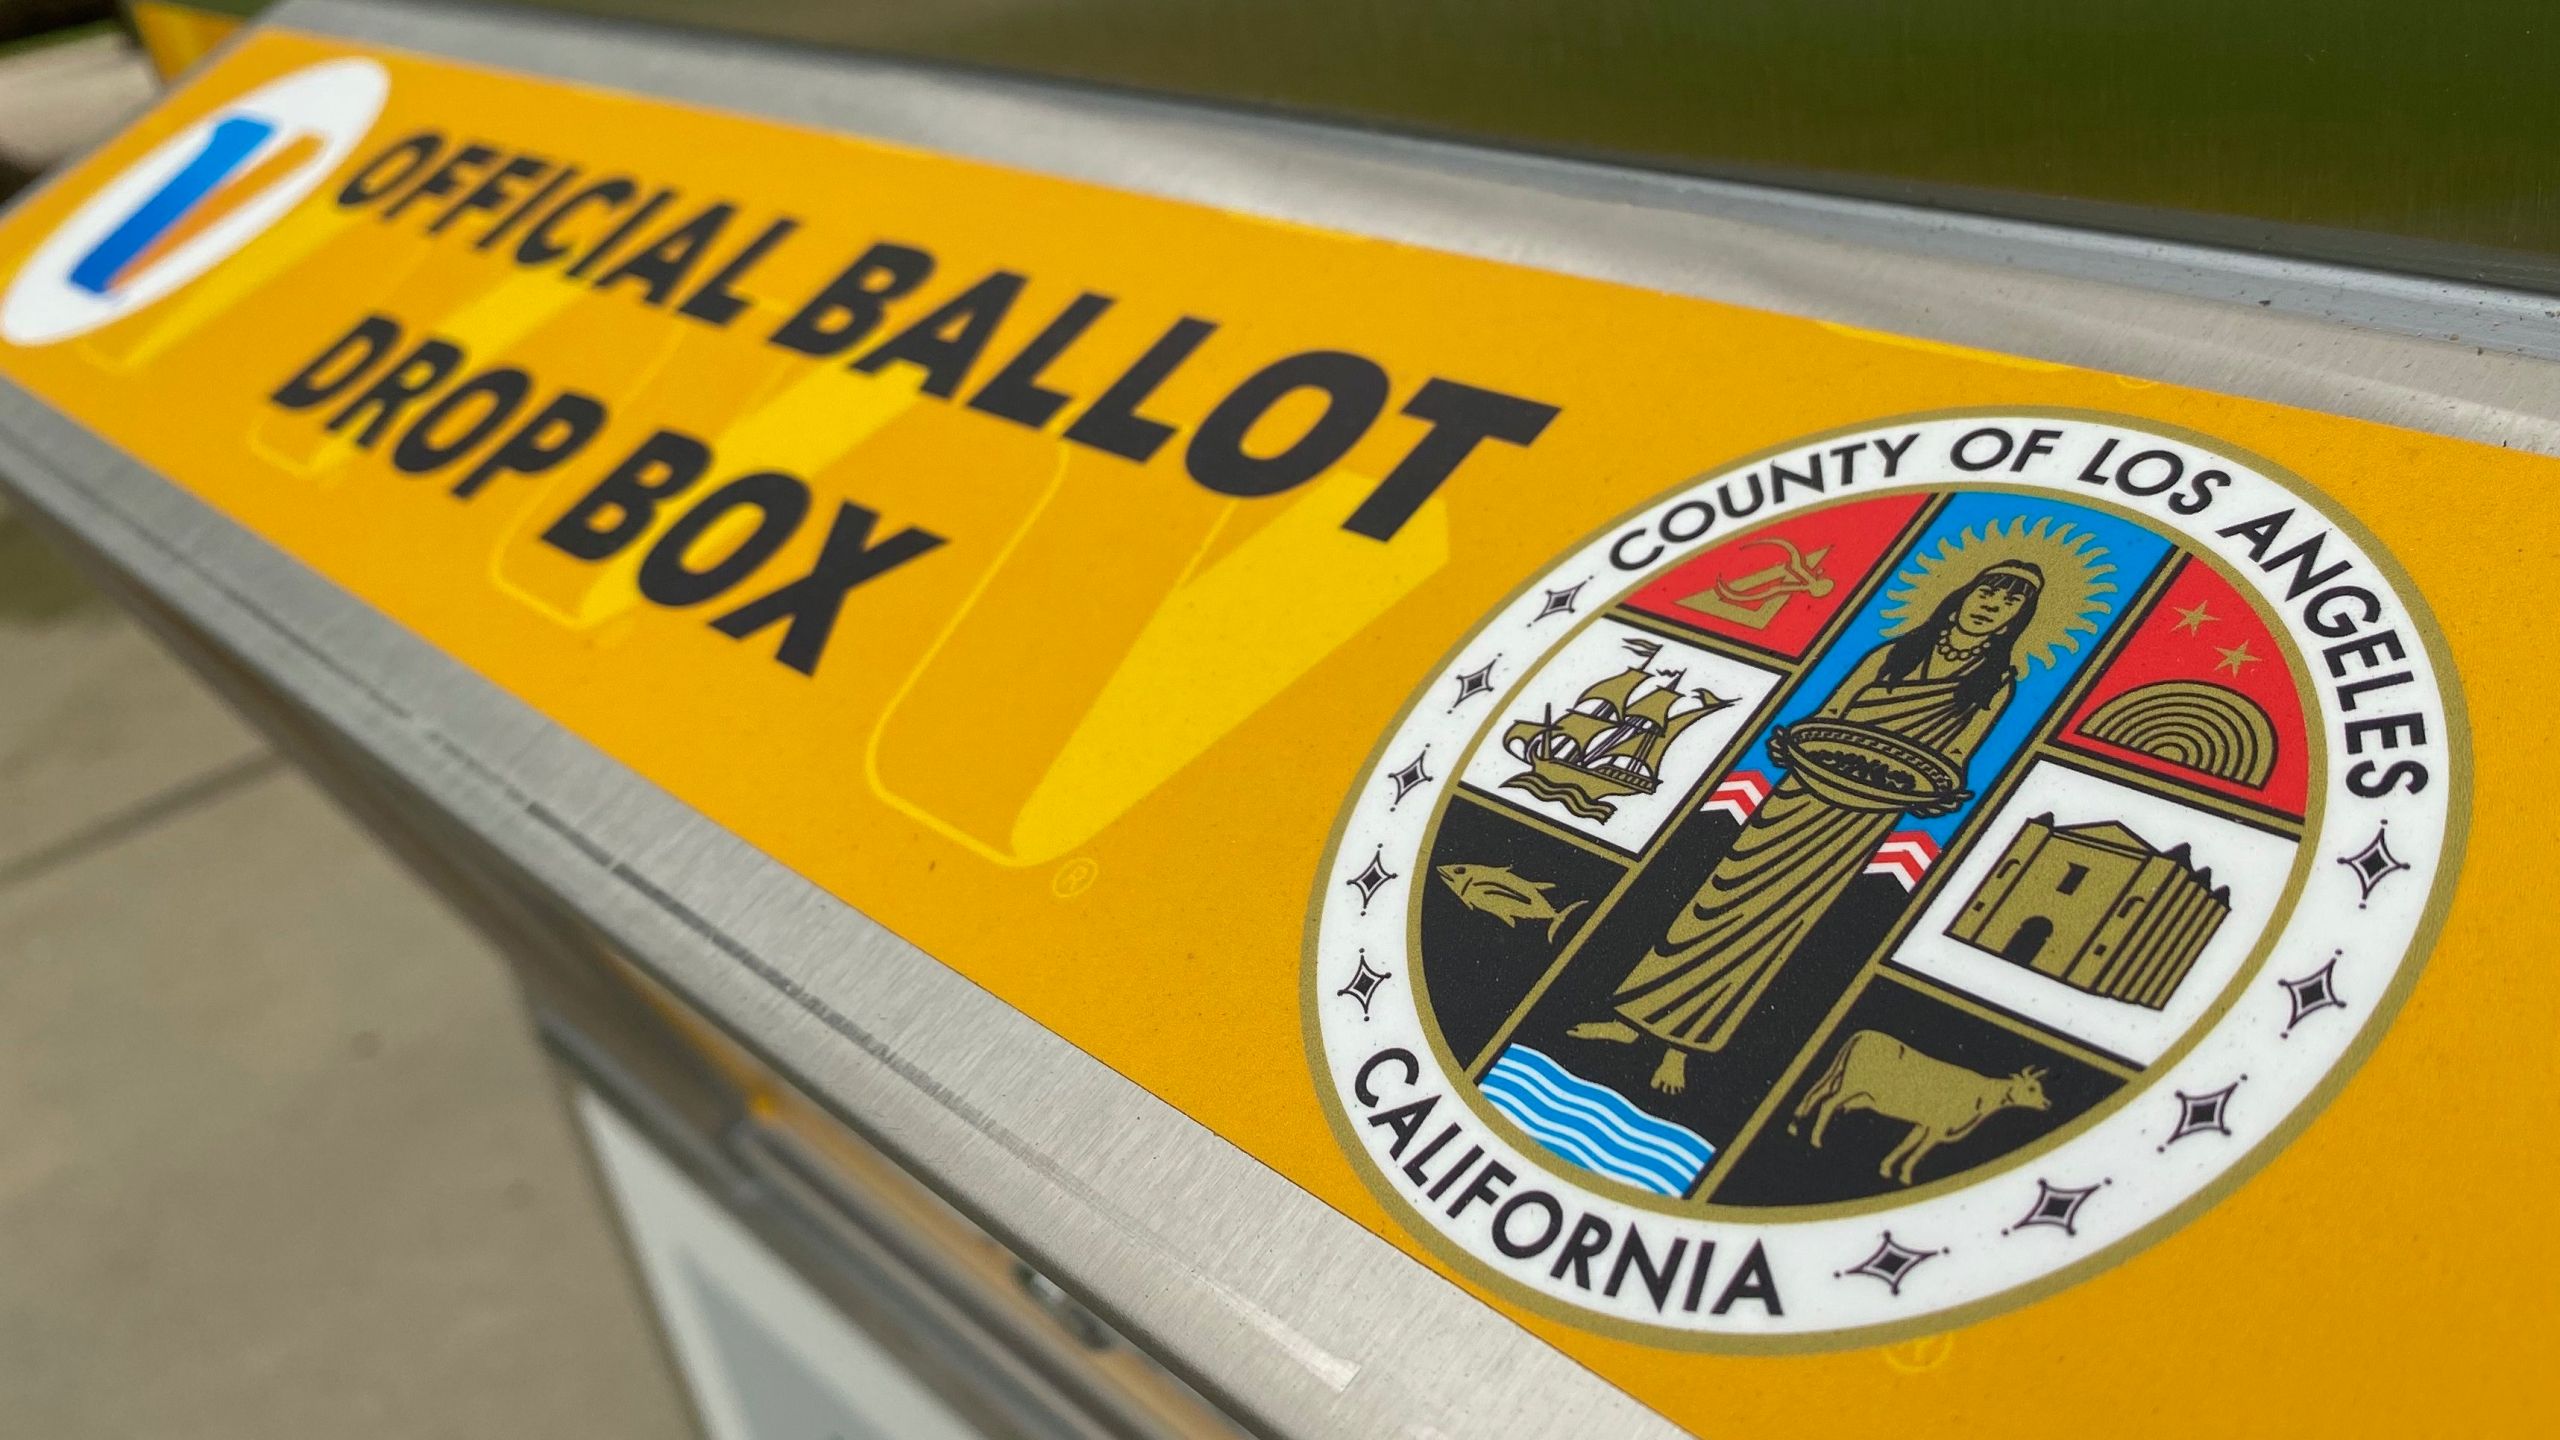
(2201, 634)
(1775, 587)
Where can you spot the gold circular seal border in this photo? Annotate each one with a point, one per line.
(2385, 1011)
(2246, 974)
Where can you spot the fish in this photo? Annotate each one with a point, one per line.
(1500, 892)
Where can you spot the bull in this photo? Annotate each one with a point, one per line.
(1941, 1102)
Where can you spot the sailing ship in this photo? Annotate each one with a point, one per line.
(1611, 743)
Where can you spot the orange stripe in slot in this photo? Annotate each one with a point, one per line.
(239, 191)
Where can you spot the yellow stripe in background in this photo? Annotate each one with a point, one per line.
(177, 36)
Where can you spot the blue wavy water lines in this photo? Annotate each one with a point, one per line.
(1594, 1126)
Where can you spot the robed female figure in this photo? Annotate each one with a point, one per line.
(1940, 686)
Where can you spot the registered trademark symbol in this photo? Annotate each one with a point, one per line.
(1075, 877)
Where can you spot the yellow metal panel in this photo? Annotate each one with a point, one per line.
(1089, 731)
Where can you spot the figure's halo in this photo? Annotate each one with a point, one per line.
(2074, 566)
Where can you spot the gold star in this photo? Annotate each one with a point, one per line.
(2235, 657)
(2194, 620)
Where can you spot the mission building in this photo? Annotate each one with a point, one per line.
(2095, 907)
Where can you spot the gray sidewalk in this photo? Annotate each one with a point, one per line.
(278, 1158)
(58, 96)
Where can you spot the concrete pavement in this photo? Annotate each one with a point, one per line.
(278, 1158)
(58, 98)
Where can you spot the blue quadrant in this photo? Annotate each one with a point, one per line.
(2133, 551)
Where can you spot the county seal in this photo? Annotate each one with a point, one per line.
(1886, 879)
